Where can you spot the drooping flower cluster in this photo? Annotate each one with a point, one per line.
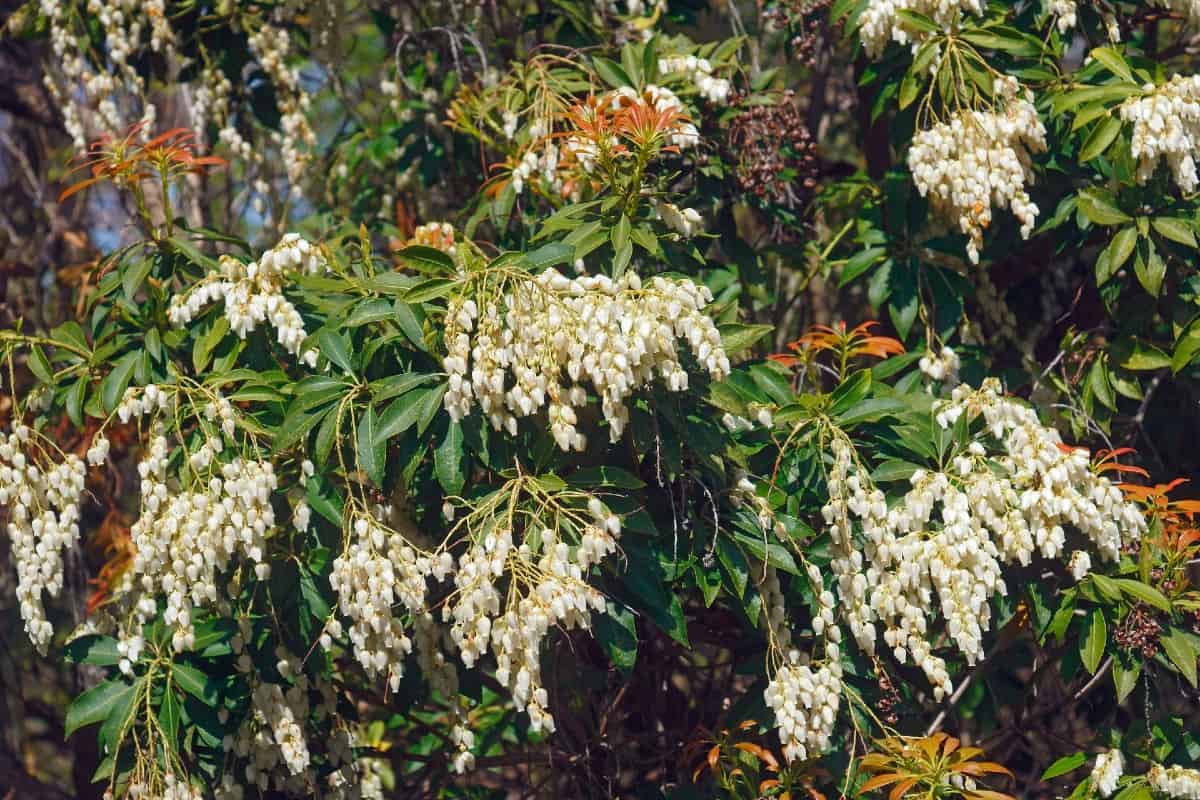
(253, 293)
(1011, 493)
(537, 341)
(712, 88)
(43, 502)
(1065, 13)
(378, 569)
(881, 23)
(278, 713)
(940, 366)
(1166, 124)
(172, 788)
(115, 88)
(546, 572)
(271, 747)
(686, 221)
(185, 539)
(805, 703)
(803, 694)
(271, 45)
(981, 159)
(1108, 769)
(1178, 783)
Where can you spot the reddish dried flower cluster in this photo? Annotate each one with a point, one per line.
(808, 25)
(776, 157)
(1139, 631)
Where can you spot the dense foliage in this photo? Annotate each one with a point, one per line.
(626, 398)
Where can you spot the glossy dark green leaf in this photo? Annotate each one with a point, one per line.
(335, 347)
(195, 683)
(113, 387)
(1091, 646)
(616, 631)
(1182, 653)
(448, 460)
(370, 447)
(93, 649)
(96, 704)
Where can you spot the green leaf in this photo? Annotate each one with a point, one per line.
(429, 260)
(1004, 39)
(643, 579)
(195, 683)
(894, 470)
(621, 259)
(918, 21)
(871, 410)
(1101, 208)
(113, 387)
(1100, 138)
(1125, 677)
(430, 405)
(93, 649)
(96, 704)
(188, 251)
(734, 563)
(1177, 230)
(335, 348)
(1093, 94)
(850, 392)
(396, 385)
(1099, 384)
(74, 401)
(111, 730)
(611, 73)
(402, 414)
(133, 276)
(1150, 269)
(1064, 765)
(371, 449)
(213, 637)
(1114, 62)
(736, 338)
(1144, 593)
(551, 254)
(1091, 646)
(314, 601)
(369, 311)
(766, 550)
(169, 713)
(39, 365)
(620, 234)
(859, 263)
(590, 477)
(1186, 347)
(448, 458)
(910, 87)
(1107, 587)
(204, 345)
(406, 318)
(296, 426)
(1182, 653)
(428, 290)
(71, 333)
(616, 631)
(1116, 254)
(1139, 356)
